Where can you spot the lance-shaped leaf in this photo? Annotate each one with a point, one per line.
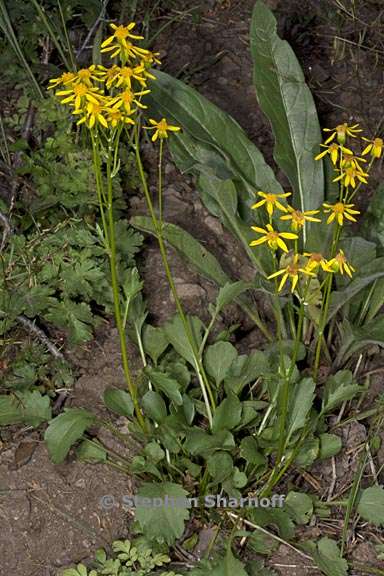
(287, 101)
(208, 130)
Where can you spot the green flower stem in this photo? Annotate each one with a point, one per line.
(203, 380)
(106, 211)
(116, 293)
(322, 324)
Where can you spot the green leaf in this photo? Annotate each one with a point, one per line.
(330, 445)
(154, 341)
(229, 292)
(308, 452)
(218, 359)
(175, 331)
(77, 318)
(154, 406)
(220, 466)
(363, 278)
(300, 405)
(273, 517)
(208, 132)
(166, 384)
(328, 558)
(371, 505)
(244, 370)
(119, 401)
(338, 388)
(288, 103)
(10, 410)
(250, 452)
(64, 430)
(299, 506)
(202, 260)
(228, 566)
(202, 443)
(159, 519)
(227, 415)
(90, 452)
(35, 407)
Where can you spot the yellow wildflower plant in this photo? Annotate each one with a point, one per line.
(79, 95)
(272, 237)
(299, 218)
(161, 128)
(334, 150)
(341, 131)
(126, 98)
(291, 272)
(340, 264)
(350, 176)
(117, 43)
(339, 211)
(94, 114)
(375, 147)
(63, 80)
(350, 160)
(315, 261)
(271, 201)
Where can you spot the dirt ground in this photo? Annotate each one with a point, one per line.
(50, 515)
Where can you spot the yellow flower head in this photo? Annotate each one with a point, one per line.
(299, 218)
(340, 264)
(292, 272)
(93, 115)
(350, 160)
(273, 238)
(64, 79)
(341, 131)
(350, 176)
(375, 147)
(339, 211)
(315, 260)
(161, 128)
(87, 75)
(119, 43)
(127, 75)
(334, 150)
(126, 98)
(271, 201)
(115, 117)
(80, 94)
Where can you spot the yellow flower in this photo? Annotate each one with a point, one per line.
(80, 94)
(350, 175)
(292, 272)
(149, 59)
(115, 117)
(340, 264)
(352, 161)
(333, 150)
(271, 201)
(127, 74)
(86, 75)
(375, 147)
(161, 128)
(315, 260)
(126, 98)
(339, 211)
(64, 79)
(341, 131)
(118, 43)
(299, 218)
(273, 238)
(93, 115)
(109, 75)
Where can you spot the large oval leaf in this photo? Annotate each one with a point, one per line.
(287, 101)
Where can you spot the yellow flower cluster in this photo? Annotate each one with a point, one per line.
(351, 176)
(111, 97)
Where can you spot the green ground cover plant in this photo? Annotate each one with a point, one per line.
(202, 418)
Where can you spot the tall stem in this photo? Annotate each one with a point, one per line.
(108, 222)
(209, 400)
